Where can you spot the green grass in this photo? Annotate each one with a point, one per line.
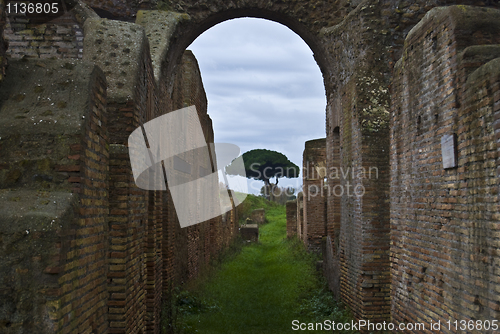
(251, 203)
(260, 290)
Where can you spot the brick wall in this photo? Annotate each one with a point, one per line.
(56, 39)
(313, 174)
(55, 167)
(207, 239)
(135, 287)
(107, 253)
(291, 218)
(443, 221)
(357, 130)
(127, 211)
(84, 277)
(331, 252)
(300, 215)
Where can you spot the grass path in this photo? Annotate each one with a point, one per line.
(259, 291)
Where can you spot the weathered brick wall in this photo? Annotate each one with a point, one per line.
(356, 45)
(200, 242)
(47, 37)
(135, 285)
(83, 283)
(108, 252)
(331, 253)
(357, 122)
(313, 174)
(55, 168)
(56, 39)
(444, 220)
(126, 284)
(189, 91)
(300, 215)
(291, 218)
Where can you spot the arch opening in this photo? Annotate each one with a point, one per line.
(263, 86)
(188, 32)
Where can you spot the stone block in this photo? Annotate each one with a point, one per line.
(249, 232)
(258, 216)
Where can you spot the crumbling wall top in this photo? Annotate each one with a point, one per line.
(316, 143)
(160, 27)
(118, 48)
(45, 96)
(465, 18)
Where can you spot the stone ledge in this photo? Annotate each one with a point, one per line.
(45, 96)
(490, 69)
(160, 26)
(118, 48)
(463, 18)
(29, 211)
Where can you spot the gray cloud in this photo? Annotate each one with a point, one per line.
(263, 86)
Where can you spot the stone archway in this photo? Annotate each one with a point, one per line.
(356, 44)
(169, 41)
(356, 72)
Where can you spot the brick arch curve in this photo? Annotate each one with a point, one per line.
(189, 30)
(306, 18)
(311, 13)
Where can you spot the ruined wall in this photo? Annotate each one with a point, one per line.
(59, 38)
(205, 240)
(47, 36)
(313, 174)
(357, 129)
(356, 44)
(84, 249)
(54, 177)
(444, 220)
(134, 294)
(335, 191)
(300, 215)
(291, 218)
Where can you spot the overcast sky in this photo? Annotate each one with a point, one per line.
(263, 86)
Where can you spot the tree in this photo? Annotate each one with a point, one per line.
(263, 165)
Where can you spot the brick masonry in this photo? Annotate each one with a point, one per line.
(383, 255)
(291, 218)
(300, 214)
(59, 38)
(444, 221)
(331, 250)
(314, 197)
(65, 184)
(111, 252)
